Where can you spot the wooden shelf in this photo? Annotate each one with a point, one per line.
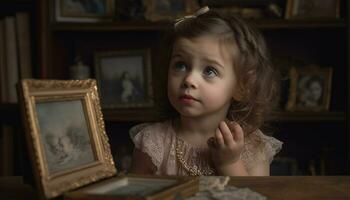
(112, 26)
(10, 115)
(161, 26)
(299, 24)
(308, 116)
(15, 1)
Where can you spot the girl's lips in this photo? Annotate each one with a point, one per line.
(187, 99)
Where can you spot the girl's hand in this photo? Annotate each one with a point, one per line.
(227, 144)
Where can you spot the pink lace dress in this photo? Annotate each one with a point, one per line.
(159, 141)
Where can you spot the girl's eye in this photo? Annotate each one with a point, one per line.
(210, 72)
(180, 66)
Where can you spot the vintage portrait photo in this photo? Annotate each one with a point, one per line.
(168, 9)
(64, 134)
(308, 9)
(124, 78)
(83, 10)
(310, 89)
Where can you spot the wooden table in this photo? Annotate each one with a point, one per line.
(297, 187)
(273, 187)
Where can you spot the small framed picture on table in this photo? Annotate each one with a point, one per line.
(312, 9)
(83, 10)
(139, 188)
(310, 89)
(65, 133)
(69, 148)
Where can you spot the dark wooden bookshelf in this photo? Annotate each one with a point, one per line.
(161, 26)
(325, 42)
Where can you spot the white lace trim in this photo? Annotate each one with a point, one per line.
(143, 138)
(158, 141)
(259, 148)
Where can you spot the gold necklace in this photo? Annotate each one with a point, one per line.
(194, 170)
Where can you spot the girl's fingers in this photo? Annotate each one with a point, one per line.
(226, 133)
(237, 132)
(219, 139)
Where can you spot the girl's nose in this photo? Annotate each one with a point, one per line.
(190, 81)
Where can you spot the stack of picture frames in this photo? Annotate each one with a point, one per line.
(310, 88)
(69, 148)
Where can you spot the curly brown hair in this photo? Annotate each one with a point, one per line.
(256, 79)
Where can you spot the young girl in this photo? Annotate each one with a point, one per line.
(221, 84)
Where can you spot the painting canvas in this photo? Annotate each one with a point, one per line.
(83, 10)
(65, 133)
(124, 78)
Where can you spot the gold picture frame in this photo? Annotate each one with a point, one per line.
(138, 187)
(125, 78)
(83, 10)
(310, 89)
(312, 9)
(159, 10)
(65, 134)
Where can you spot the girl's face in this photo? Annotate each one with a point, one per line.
(201, 79)
(315, 90)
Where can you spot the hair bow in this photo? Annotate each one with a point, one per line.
(196, 14)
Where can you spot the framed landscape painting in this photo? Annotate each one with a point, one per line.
(65, 134)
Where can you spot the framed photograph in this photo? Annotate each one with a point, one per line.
(83, 10)
(240, 3)
(157, 10)
(312, 9)
(310, 89)
(65, 133)
(139, 187)
(124, 78)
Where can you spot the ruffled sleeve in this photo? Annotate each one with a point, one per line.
(150, 139)
(259, 148)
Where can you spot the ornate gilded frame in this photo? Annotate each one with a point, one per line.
(154, 14)
(292, 10)
(296, 75)
(55, 94)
